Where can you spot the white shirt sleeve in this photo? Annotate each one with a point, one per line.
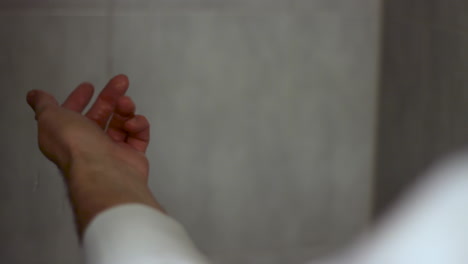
(138, 234)
(430, 226)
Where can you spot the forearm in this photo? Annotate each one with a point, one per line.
(97, 185)
(106, 172)
(123, 234)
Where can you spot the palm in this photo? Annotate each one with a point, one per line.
(129, 132)
(136, 159)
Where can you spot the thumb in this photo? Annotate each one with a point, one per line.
(40, 100)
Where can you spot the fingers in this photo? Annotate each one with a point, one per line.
(105, 104)
(79, 98)
(138, 129)
(40, 101)
(127, 127)
(124, 111)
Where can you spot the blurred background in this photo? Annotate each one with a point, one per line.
(280, 128)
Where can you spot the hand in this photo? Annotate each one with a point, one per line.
(103, 167)
(63, 133)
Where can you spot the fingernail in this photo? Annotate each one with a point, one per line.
(130, 123)
(133, 121)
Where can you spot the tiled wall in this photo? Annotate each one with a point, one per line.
(424, 90)
(263, 117)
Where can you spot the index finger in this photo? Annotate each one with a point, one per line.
(79, 98)
(105, 103)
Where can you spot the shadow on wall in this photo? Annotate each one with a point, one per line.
(422, 105)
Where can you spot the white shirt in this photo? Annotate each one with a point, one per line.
(430, 227)
(138, 234)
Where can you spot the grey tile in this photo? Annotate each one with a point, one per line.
(415, 11)
(400, 150)
(445, 14)
(53, 54)
(184, 5)
(334, 65)
(422, 95)
(256, 119)
(451, 14)
(422, 103)
(357, 9)
(446, 81)
(27, 4)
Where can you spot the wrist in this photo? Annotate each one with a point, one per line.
(83, 161)
(96, 184)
